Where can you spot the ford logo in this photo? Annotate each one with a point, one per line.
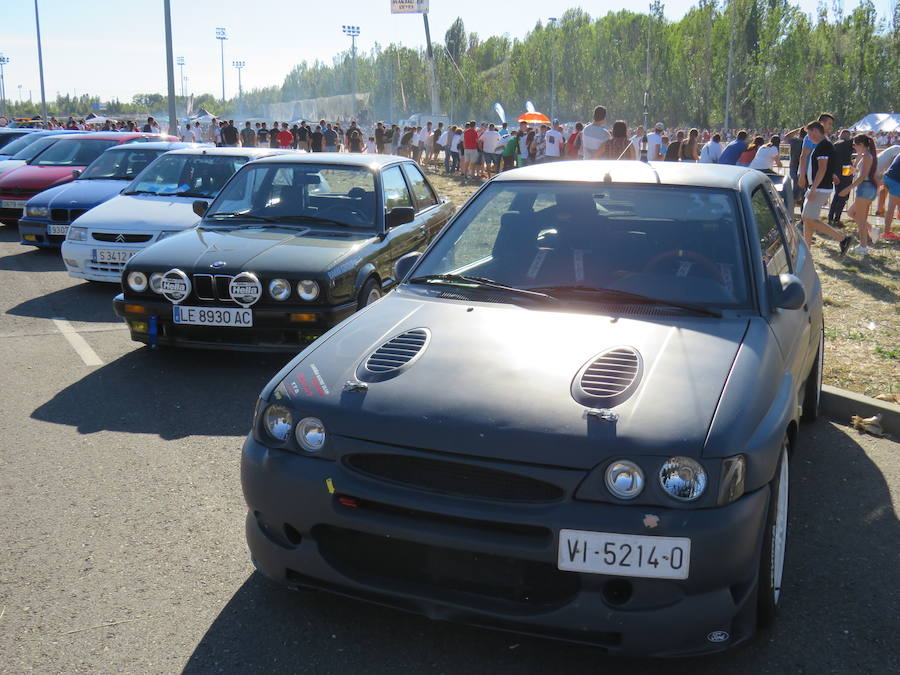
(245, 289)
(175, 286)
(718, 636)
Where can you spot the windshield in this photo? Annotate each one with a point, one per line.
(120, 164)
(30, 146)
(72, 152)
(589, 242)
(303, 193)
(187, 175)
(8, 137)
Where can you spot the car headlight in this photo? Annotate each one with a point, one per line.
(165, 234)
(37, 211)
(683, 478)
(156, 282)
(77, 234)
(624, 479)
(308, 290)
(137, 281)
(280, 289)
(310, 434)
(277, 421)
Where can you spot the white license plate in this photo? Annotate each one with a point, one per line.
(624, 555)
(212, 316)
(12, 204)
(111, 255)
(57, 229)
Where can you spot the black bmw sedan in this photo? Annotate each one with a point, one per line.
(288, 249)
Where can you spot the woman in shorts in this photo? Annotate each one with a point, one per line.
(864, 182)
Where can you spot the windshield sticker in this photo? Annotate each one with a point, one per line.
(727, 276)
(579, 265)
(684, 268)
(537, 263)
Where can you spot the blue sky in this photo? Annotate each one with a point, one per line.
(116, 49)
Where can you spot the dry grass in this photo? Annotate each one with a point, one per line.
(862, 312)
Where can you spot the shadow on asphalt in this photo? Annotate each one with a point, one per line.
(838, 612)
(171, 393)
(84, 302)
(32, 259)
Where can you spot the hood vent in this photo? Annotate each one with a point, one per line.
(609, 379)
(395, 354)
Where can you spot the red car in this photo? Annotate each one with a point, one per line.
(56, 165)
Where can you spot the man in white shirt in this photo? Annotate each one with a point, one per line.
(489, 141)
(636, 140)
(712, 151)
(654, 143)
(595, 135)
(555, 141)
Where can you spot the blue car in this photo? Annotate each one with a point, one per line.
(49, 213)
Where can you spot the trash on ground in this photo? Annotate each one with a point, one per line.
(868, 425)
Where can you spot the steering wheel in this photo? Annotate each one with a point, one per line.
(344, 213)
(692, 256)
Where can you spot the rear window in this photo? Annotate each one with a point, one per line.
(29, 147)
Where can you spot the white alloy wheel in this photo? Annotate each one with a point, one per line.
(779, 527)
(374, 294)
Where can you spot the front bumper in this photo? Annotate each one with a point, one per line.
(78, 258)
(494, 564)
(34, 232)
(11, 216)
(272, 328)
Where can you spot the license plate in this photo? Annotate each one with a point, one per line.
(111, 255)
(212, 316)
(624, 554)
(12, 204)
(57, 229)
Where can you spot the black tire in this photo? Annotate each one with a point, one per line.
(812, 389)
(371, 291)
(771, 559)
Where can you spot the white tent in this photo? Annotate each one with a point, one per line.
(878, 122)
(97, 119)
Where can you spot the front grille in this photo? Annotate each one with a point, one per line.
(66, 215)
(106, 267)
(444, 572)
(453, 478)
(122, 238)
(213, 287)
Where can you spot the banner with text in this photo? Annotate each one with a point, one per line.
(409, 6)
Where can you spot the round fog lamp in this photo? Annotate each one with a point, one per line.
(311, 434)
(277, 420)
(279, 289)
(683, 478)
(624, 479)
(156, 282)
(137, 281)
(308, 290)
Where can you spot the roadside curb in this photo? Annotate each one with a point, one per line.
(840, 405)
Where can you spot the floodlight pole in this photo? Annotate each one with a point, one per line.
(170, 70)
(240, 65)
(221, 37)
(352, 32)
(435, 101)
(37, 25)
(3, 61)
(180, 62)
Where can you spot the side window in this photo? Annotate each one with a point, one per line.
(791, 233)
(771, 241)
(423, 192)
(395, 191)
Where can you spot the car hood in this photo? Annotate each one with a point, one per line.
(80, 194)
(9, 164)
(495, 381)
(265, 251)
(142, 212)
(33, 177)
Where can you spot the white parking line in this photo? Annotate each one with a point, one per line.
(79, 344)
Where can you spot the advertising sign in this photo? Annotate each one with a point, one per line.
(409, 6)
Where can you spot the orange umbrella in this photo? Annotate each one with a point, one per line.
(534, 118)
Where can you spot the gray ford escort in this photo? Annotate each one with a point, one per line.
(573, 418)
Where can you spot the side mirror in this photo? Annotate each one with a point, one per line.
(76, 173)
(786, 291)
(200, 207)
(404, 264)
(400, 215)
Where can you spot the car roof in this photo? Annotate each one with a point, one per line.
(632, 171)
(228, 152)
(153, 145)
(345, 159)
(117, 135)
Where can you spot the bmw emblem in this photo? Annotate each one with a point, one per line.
(219, 264)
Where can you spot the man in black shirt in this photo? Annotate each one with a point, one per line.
(843, 151)
(315, 139)
(820, 177)
(303, 136)
(230, 135)
(263, 136)
(273, 136)
(379, 138)
(795, 142)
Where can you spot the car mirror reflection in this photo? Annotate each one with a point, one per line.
(400, 215)
(200, 207)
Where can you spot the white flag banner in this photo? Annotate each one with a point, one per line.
(409, 6)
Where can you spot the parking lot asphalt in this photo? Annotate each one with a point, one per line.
(122, 525)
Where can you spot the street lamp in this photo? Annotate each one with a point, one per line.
(221, 37)
(240, 65)
(37, 26)
(180, 62)
(352, 32)
(553, 21)
(3, 61)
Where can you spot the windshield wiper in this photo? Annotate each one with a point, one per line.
(478, 282)
(242, 215)
(629, 296)
(314, 219)
(140, 192)
(189, 193)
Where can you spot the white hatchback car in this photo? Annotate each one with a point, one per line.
(158, 203)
